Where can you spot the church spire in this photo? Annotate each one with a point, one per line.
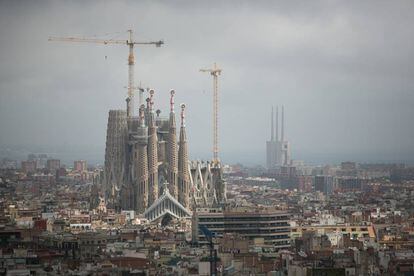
(183, 172)
(172, 150)
(152, 153)
(142, 164)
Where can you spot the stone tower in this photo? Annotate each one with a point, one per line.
(141, 165)
(129, 188)
(115, 156)
(172, 152)
(142, 151)
(152, 154)
(183, 166)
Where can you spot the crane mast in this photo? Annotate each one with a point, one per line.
(131, 63)
(131, 59)
(215, 72)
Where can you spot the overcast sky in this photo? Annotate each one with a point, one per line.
(343, 70)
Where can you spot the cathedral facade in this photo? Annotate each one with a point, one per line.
(143, 157)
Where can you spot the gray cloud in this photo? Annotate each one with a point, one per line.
(343, 70)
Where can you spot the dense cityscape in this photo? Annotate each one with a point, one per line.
(286, 218)
(178, 188)
(349, 218)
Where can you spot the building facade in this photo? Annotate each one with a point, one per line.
(80, 166)
(28, 166)
(325, 184)
(142, 153)
(53, 164)
(270, 225)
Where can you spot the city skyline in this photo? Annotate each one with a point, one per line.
(347, 89)
(206, 137)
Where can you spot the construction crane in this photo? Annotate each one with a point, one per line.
(141, 91)
(213, 252)
(131, 58)
(215, 72)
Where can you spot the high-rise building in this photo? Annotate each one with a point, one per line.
(40, 159)
(29, 166)
(80, 165)
(278, 152)
(53, 164)
(271, 225)
(324, 184)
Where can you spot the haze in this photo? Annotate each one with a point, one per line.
(343, 70)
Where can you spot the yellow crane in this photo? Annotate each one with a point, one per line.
(215, 72)
(131, 58)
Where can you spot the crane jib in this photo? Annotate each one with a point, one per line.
(129, 42)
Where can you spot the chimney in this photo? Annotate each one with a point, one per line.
(283, 125)
(272, 138)
(277, 124)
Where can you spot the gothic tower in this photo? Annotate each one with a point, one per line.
(115, 156)
(172, 151)
(152, 154)
(183, 171)
(142, 165)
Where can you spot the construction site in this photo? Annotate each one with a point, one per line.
(147, 169)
